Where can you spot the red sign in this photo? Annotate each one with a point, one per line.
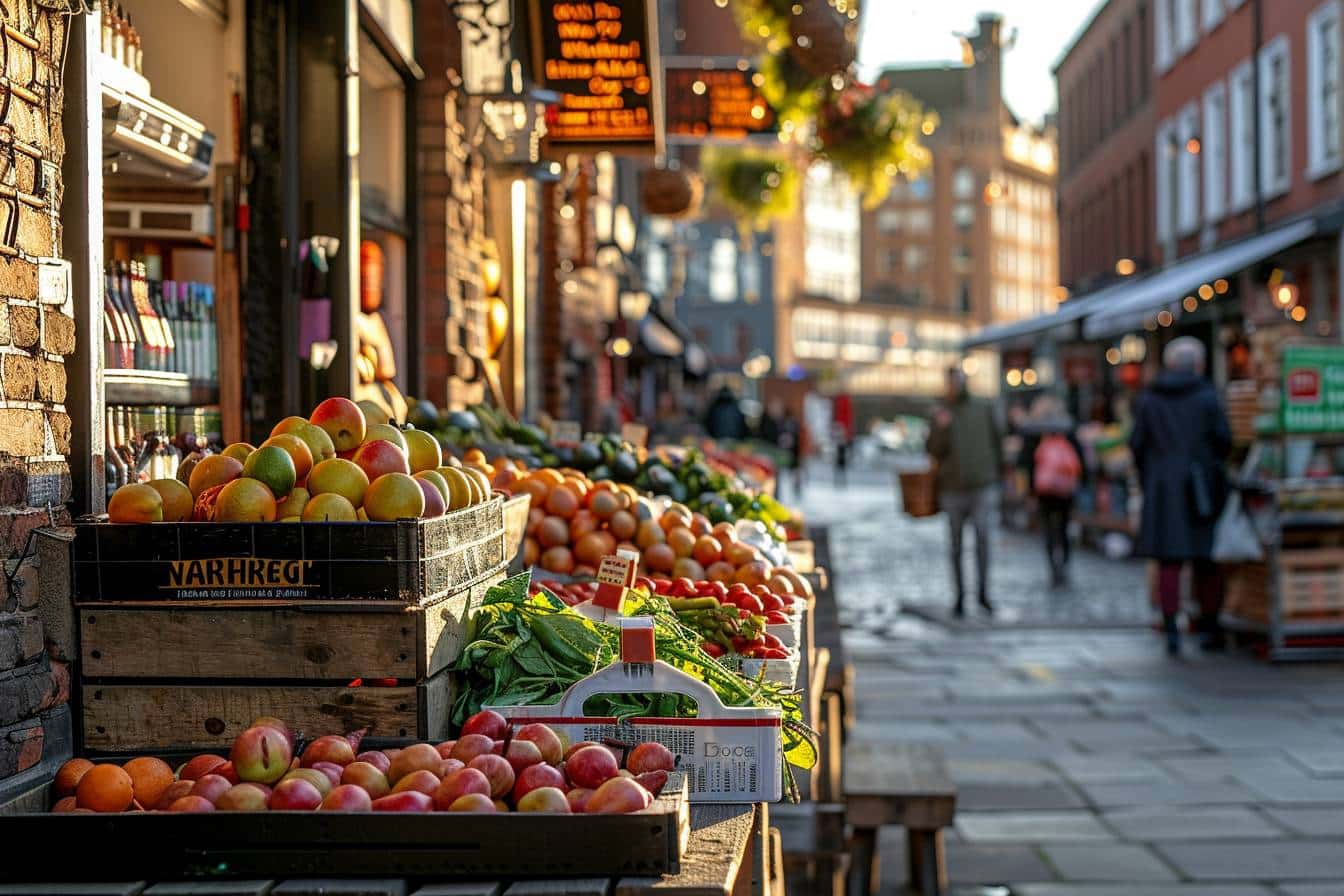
(1304, 385)
(1080, 365)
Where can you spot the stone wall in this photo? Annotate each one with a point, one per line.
(37, 332)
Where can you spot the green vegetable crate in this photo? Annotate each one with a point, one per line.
(170, 665)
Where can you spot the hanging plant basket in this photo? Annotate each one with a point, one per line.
(757, 186)
(671, 192)
(822, 39)
(873, 136)
(793, 92)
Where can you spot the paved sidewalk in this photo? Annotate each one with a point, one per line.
(1088, 763)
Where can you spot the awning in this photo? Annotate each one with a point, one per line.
(659, 338)
(1167, 287)
(1068, 312)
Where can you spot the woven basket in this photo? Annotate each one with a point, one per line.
(919, 493)
(671, 192)
(823, 40)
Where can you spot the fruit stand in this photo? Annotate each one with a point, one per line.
(321, 626)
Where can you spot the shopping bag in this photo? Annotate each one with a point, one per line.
(1234, 537)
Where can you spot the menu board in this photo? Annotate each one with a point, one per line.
(601, 57)
(720, 104)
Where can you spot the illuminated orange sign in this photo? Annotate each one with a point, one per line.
(600, 57)
(715, 103)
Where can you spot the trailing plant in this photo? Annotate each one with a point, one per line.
(758, 186)
(873, 135)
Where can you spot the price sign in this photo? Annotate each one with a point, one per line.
(1313, 388)
(715, 104)
(599, 56)
(636, 434)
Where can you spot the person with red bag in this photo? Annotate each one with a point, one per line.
(1055, 470)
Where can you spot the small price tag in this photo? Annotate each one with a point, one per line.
(615, 575)
(637, 640)
(567, 432)
(53, 281)
(636, 434)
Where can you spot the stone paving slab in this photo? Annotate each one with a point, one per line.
(1223, 767)
(1086, 769)
(1097, 862)
(1030, 827)
(1171, 823)
(1320, 763)
(1291, 789)
(1311, 890)
(1178, 793)
(974, 863)
(1310, 822)
(1073, 889)
(1001, 771)
(1038, 795)
(1281, 860)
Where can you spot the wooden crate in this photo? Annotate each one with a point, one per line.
(1311, 586)
(179, 675)
(410, 561)
(516, 510)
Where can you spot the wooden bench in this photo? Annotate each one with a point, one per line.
(898, 784)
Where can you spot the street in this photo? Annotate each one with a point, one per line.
(1087, 762)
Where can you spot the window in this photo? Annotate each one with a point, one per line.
(1214, 150)
(963, 183)
(891, 260)
(961, 259)
(1187, 25)
(1187, 177)
(1241, 137)
(914, 258)
(1167, 178)
(1145, 53)
(919, 220)
(964, 297)
(1212, 13)
(1323, 113)
(889, 220)
(1163, 54)
(723, 270)
(1275, 117)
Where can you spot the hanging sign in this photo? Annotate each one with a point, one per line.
(1313, 389)
(715, 104)
(602, 59)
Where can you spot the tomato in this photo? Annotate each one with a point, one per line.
(719, 590)
(772, 641)
(743, 614)
(646, 583)
(772, 602)
(740, 644)
(738, 588)
(774, 653)
(712, 649)
(751, 604)
(775, 617)
(682, 587)
(660, 586)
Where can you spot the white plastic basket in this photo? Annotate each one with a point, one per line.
(783, 672)
(730, 754)
(789, 633)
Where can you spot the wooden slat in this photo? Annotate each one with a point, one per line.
(120, 718)
(894, 783)
(274, 643)
(720, 838)
(445, 625)
(595, 886)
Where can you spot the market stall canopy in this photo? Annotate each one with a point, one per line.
(1026, 330)
(659, 338)
(1139, 299)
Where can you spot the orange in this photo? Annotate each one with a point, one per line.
(239, 451)
(135, 503)
(553, 532)
(563, 501)
(558, 559)
(699, 525)
(550, 477)
(649, 534)
(213, 470)
(298, 451)
(623, 525)
(726, 533)
(672, 519)
(739, 554)
(245, 501)
(603, 503)
(176, 497)
(660, 558)
(720, 572)
(681, 541)
(580, 525)
(150, 777)
(105, 788)
(65, 804)
(580, 485)
(591, 548)
(69, 775)
(531, 551)
(707, 550)
(535, 486)
(473, 456)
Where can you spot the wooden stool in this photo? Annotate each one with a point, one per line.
(900, 784)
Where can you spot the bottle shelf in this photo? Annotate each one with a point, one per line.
(160, 387)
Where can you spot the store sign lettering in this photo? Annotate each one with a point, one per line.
(239, 572)
(718, 104)
(1304, 386)
(1313, 389)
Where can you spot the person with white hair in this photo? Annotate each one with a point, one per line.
(1180, 441)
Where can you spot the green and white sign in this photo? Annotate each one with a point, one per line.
(1313, 389)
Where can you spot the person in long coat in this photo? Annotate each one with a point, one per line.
(1179, 441)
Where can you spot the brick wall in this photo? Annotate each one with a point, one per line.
(36, 333)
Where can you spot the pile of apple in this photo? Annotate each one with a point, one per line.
(491, 767)
(334, 466)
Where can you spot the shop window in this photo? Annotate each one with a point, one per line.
(963, 183)
(1323, 40)
(1188, 151)
(1275, 117)
(723, 270)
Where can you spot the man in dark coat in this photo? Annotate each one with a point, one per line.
(724, 419)
(1179, 442)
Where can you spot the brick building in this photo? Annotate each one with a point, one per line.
(1106, 131)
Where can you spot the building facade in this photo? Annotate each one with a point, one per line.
(1105, 83)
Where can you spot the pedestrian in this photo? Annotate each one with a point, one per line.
(965, 442)
(767, 428)
(840, 435)
(1054, 466)
(1179, 442)
(791, 443)
(724, 419)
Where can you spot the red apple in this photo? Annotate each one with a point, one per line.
(199, 766)
(446, 748)
(544, 799)
(552, 750)
(579, 745)
(618, 796)
(313, 777)
(523, 754)
(406, 801)
(424, 781)
(244, 798)
(487, 722)
(379, 457)
(434, 503)
(591, 767)
(651, 757)
(192, 804)
(367, 776)
(331, 770)
(211, 787)
(460, 783)
(261, 754)
(535, 776)
(226, 770)
(413, 759)
(376, 758)
(578, 799)
(653, 781)
(330, 748)
(295, 794)
(278, 725)
(469, 746)
(448, 766)
(343, 421)
(497, 770)
(347, 798)
(473, 802)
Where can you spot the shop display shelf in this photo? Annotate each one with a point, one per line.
(162, 387)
